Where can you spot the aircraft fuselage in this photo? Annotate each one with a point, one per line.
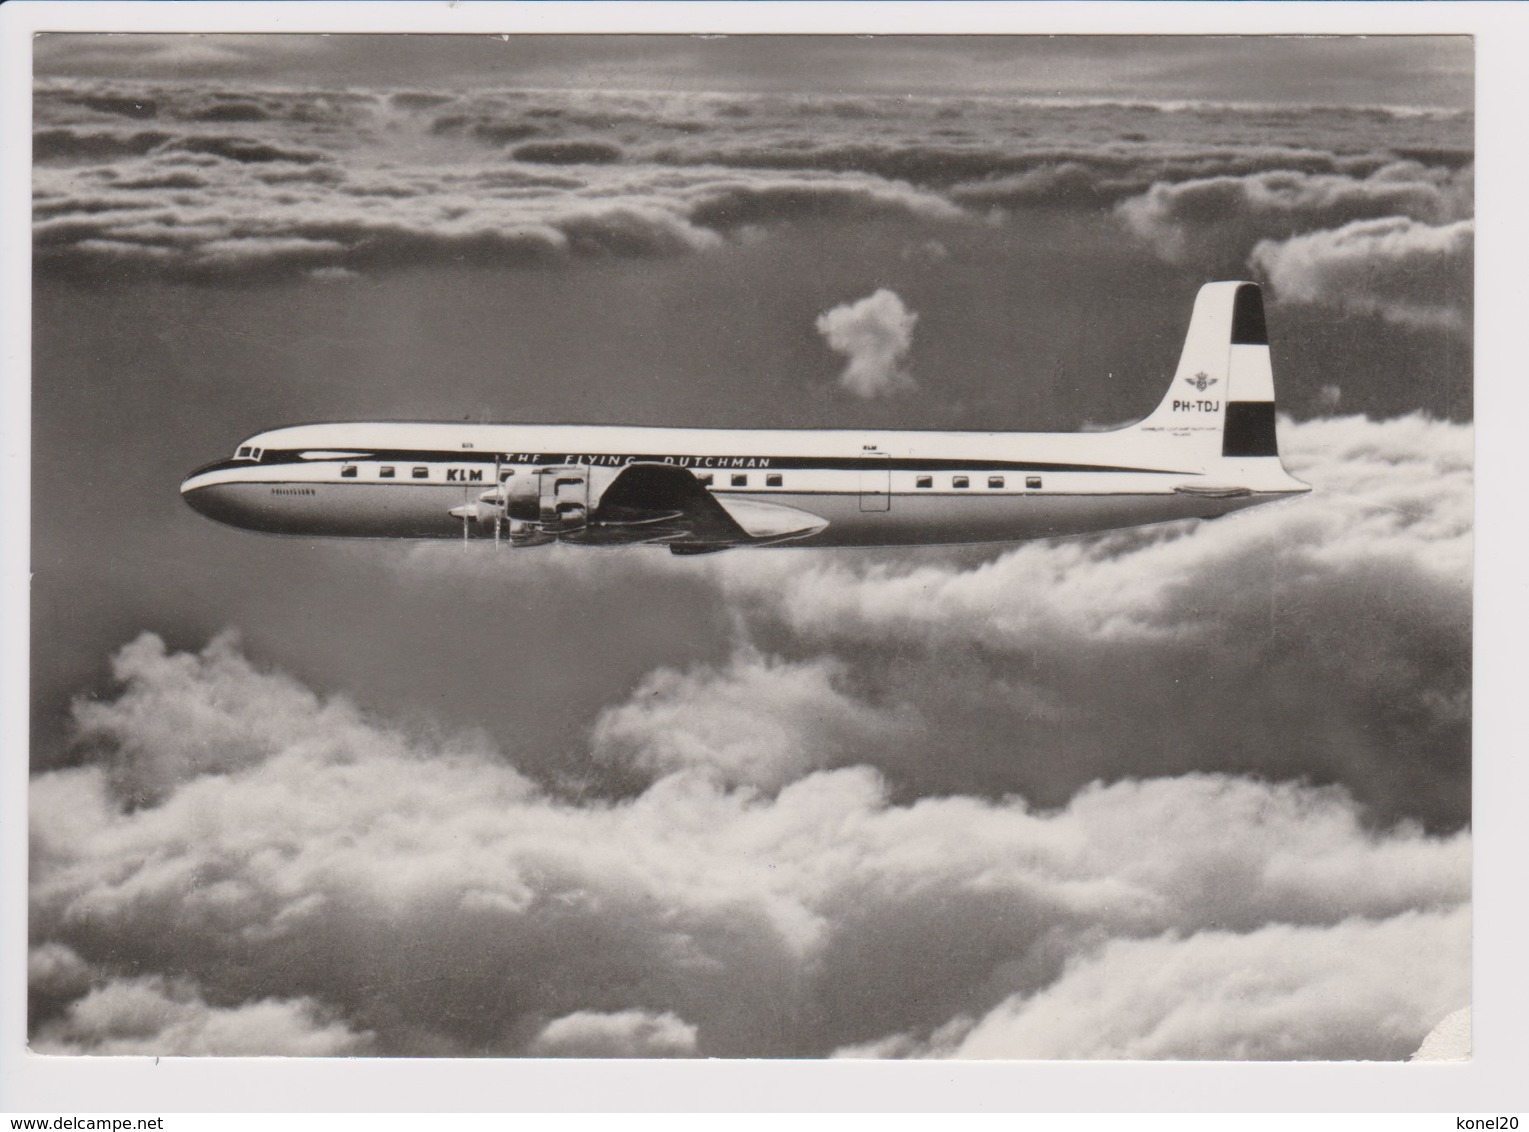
(1208, 449)
(401, 480)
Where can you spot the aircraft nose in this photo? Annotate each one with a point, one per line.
(198, 496)
(208, 492)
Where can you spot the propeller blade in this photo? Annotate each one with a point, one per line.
(499, 514)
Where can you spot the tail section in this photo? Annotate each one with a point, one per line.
(1249, 428)
(1219, 411)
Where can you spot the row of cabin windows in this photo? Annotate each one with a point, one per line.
(772, 480)
(421, 472)
(995, 482)
(959, 482)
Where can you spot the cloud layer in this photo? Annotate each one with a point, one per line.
(1235, 211)
(1326, 638)
(757, 850)
(691, 918)
(159, 1017)
(1192, 791)
(250, 181)
(1273, 994)
(1402, 270)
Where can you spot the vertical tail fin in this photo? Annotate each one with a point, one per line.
(1221, 402)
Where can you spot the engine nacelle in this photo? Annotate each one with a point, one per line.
(554, 499)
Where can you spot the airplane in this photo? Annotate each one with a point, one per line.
(1208, 449)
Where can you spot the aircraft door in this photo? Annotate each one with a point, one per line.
(875, 482)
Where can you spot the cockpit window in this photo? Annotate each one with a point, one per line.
(243, 453)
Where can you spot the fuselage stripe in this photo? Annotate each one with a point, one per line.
(702, 463)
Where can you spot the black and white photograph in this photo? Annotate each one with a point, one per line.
(774, 546)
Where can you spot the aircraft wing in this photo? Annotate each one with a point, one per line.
(663, 503)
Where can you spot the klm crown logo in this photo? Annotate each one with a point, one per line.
(1201, 381)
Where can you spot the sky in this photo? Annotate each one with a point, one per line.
(1346, 70)
(1153, 794)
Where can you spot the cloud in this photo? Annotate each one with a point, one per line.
(735, 201)
(875, 333)
(163, 1017)
(269, 211)
(337, 884)
(1095, 176)
(182, 716)
(758, 721)
(694, 169)
(1227, 214)
(1333, 629)
(624, 1033)
(1273, 994)
(1407, 272)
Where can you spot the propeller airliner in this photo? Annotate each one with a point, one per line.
(1209, 448)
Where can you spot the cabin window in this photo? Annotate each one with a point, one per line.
(961, 481)
(705, 480)
(772, 480)
(421, 473)
(740, 481)
(1032, 481)
(385, 472)
(995, 481)
(348, 471)
(924, 481)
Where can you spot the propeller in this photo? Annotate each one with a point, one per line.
(498, 483)
(467, 513)
(490, 504)
(499, 497)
